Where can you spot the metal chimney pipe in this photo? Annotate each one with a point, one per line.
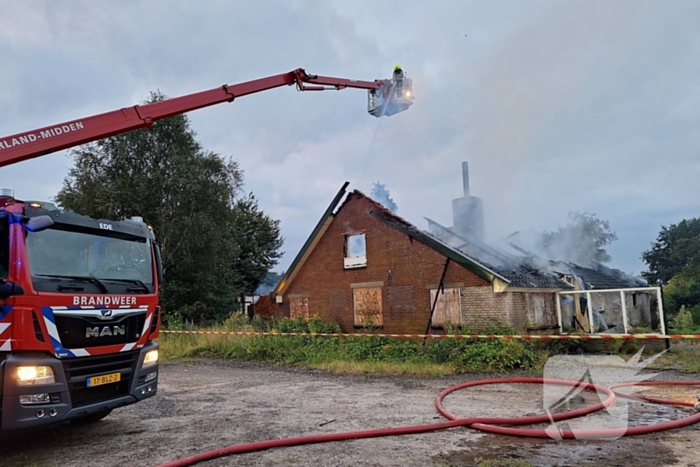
(465, 178)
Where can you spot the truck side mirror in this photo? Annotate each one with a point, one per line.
(8, 289)
(38, 223)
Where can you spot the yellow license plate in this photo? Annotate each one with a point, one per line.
(104, 379)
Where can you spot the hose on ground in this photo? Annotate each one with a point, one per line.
(486, 424)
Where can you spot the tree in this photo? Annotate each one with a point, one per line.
(258, 240)
(581, 240)
(381, 195)
(192, 198)
(676, 248)
(674, 262)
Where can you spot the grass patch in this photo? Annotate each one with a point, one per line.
(375, 355)
(357, 355)
(682, 356)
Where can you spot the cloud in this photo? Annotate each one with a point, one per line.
(556, 106)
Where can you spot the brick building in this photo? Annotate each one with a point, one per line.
(363, 263)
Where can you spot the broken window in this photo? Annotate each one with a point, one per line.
(299, 307)
(368, 306)
(355, 251)
(448, 308)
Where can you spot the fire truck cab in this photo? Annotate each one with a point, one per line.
(79, 314)
(79, 296)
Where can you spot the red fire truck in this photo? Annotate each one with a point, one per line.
(79, 296)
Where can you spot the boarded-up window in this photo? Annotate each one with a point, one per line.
(448, 308)
(368, 306)
(299, 307)
(538, 309)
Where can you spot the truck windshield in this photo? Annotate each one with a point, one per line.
(54, 252)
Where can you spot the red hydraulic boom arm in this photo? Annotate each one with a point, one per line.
(35, 143)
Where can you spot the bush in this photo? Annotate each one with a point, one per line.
(683, 322)
(500, 356)
(459, 354)
(236, 322)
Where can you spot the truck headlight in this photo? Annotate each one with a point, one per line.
(33, 375)
(150, 359)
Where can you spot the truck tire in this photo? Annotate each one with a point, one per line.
(92, 418)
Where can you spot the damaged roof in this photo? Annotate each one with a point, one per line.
(511, 275)
(605, 278)
(480, 269)
(316, 234)
(516, 271)
(528, 271)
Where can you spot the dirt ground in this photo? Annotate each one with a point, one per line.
(206, 404)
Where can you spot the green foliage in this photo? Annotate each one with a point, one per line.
(563, 346)
(683, 322)
(682, 290)
(674, 261)
(258, 241)
(683, 356)
(315, 324)
(463, 354)
(676, 251)
(581, 240)
(499, 355)
(216, 244)
(235, 322)
(624, 346)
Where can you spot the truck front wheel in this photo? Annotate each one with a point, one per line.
(92, 418)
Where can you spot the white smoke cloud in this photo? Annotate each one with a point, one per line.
(381, 195)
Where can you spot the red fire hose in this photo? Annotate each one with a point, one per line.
(482, 424)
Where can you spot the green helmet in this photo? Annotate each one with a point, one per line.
(397, 67)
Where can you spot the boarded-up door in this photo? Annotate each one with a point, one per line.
(448, 308)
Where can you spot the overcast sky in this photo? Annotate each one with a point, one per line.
(557, 105)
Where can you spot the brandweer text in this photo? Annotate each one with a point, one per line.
(102, 300)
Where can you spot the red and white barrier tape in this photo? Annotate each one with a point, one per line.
(448, 336)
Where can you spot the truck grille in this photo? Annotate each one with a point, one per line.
(73, 330)
(78, 370)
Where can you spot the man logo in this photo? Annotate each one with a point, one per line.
(106, 313)
(105, 331)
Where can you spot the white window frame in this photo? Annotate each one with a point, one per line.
(352, 262)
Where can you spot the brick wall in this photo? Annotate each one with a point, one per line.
(265, 308)
(481, 308)
(405, 269)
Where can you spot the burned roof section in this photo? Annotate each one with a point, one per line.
(603, 277)
(512, 266)
(518, 271)
(474, 255)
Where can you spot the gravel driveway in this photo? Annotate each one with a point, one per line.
(207, 404)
